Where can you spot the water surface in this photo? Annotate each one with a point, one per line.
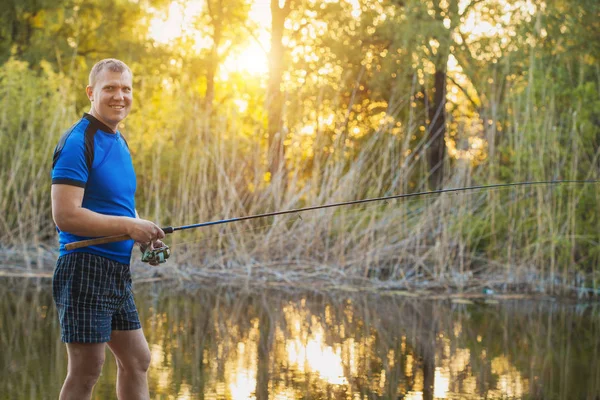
(230, 344)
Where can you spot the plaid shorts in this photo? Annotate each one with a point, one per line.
(93, 297)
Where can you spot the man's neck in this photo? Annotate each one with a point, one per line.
(95, 115)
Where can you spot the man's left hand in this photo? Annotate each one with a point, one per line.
(152, 245)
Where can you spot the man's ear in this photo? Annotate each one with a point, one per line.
(90, 92)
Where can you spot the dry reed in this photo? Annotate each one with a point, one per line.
(537, 238)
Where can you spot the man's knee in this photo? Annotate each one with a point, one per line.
(138, 362)
(143, 360)
(86, 372)
(131, 351)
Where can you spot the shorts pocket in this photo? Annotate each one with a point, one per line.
(62, 281)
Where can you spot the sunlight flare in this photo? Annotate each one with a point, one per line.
(175, 22)
(178, 22)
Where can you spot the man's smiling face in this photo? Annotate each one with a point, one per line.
(111, 97)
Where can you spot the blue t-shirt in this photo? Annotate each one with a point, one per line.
(91, 157)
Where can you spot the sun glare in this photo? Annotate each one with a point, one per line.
(474, 26)
(254, 58)
(178, 21)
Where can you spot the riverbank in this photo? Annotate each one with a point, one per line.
(503, 241)
(468, 287)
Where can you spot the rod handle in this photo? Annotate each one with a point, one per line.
(96, 241)
(106, 239)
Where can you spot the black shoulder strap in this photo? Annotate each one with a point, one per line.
(126, 144)
(61, 144)
(89, 134)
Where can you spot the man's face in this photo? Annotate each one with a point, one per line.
(111, 97)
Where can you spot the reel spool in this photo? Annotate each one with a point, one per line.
(156, 256)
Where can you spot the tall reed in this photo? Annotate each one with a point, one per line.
(196, 167)
(34, 109)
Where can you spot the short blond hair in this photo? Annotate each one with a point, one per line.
(112, 64)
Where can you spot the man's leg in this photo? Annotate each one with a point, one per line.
(133, 359)
(85, 365)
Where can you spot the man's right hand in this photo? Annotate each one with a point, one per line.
(144, 231)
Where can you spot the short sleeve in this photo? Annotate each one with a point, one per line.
(70, 166)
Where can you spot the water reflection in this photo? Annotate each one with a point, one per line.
(224, 344)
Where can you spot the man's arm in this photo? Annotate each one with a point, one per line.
(70, 216)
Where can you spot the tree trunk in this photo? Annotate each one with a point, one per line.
(264, 346)
(436, 131)
(210, 86)
(427, 348)
(215, 11)
(276, 150)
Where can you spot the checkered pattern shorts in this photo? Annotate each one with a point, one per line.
(93, 297)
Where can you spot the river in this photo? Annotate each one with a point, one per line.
(218, 343)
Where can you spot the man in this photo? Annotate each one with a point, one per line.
(93, 189)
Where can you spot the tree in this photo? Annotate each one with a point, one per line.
(225, 22)
(276, 151)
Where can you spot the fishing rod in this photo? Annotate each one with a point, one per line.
(171, 229)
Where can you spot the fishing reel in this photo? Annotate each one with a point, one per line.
(156, 256)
